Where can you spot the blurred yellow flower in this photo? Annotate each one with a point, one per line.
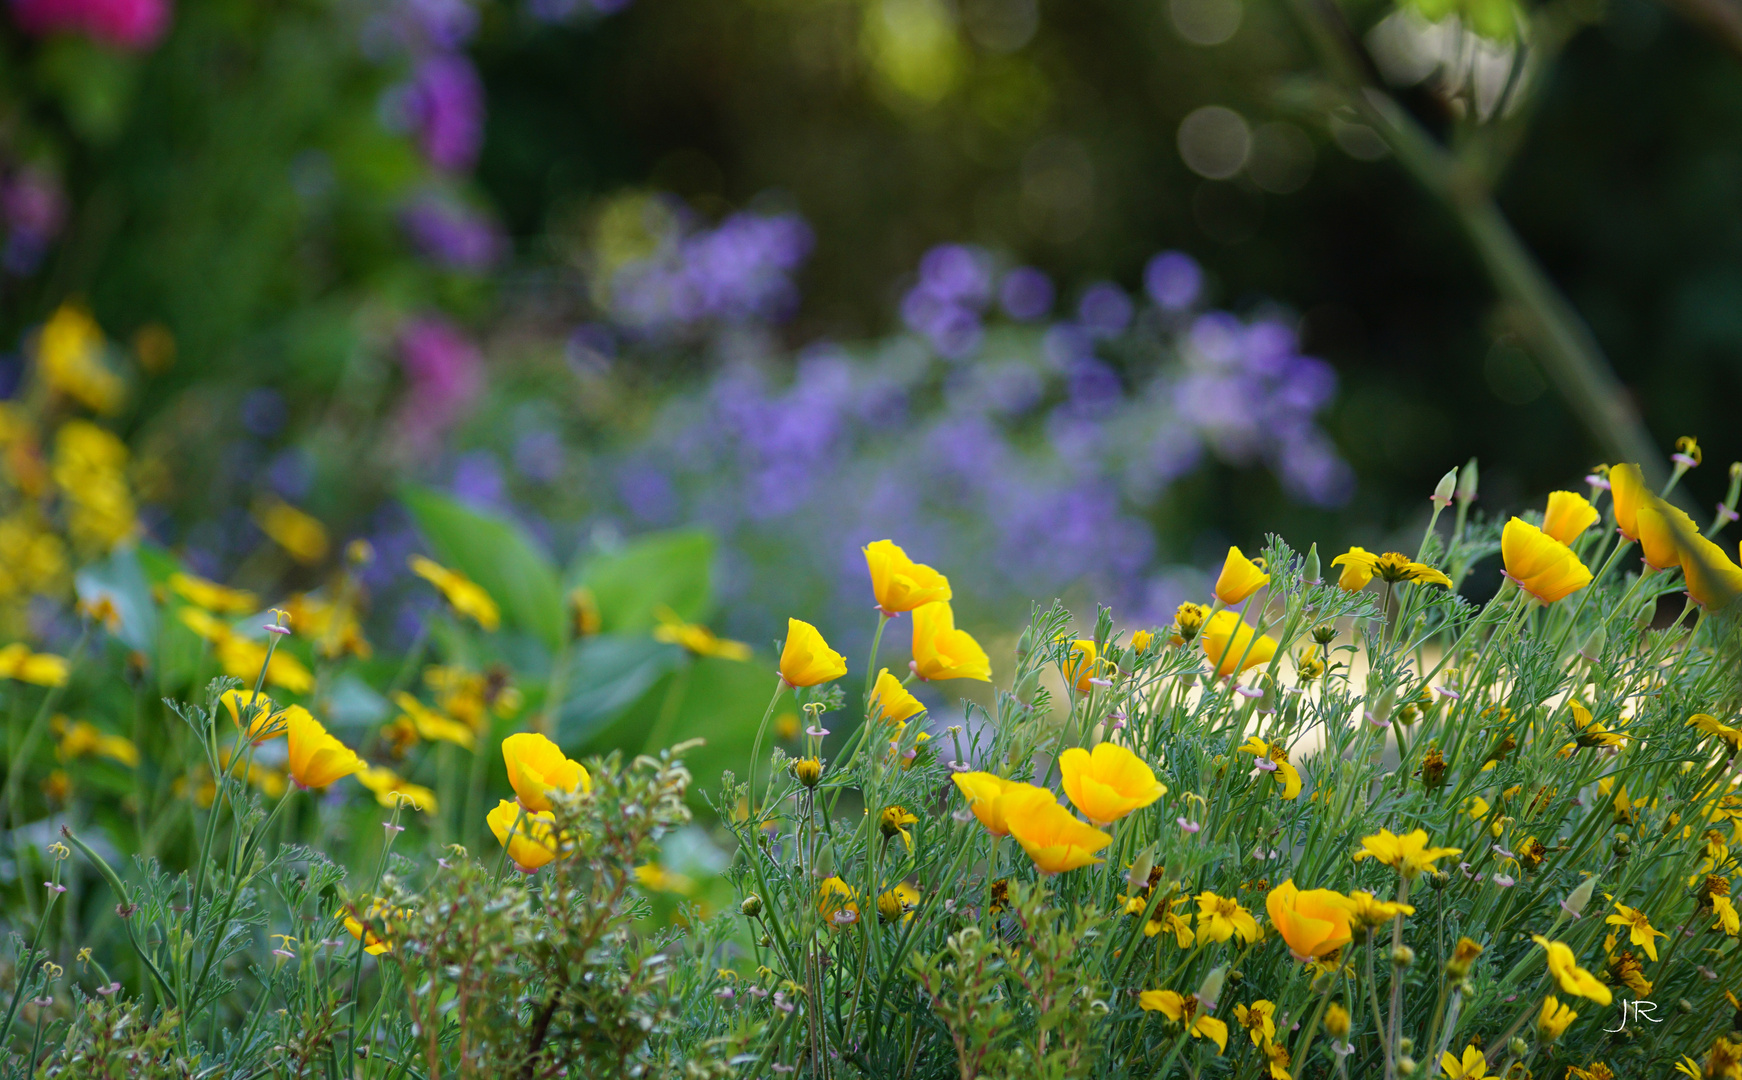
(1239, 579)
(316, 758)
(1055, 839)
(333, 626)
(390, 790)
(1572, 978)
(1184, 1009)
(806, 659)
(837, 903)
(1409, 854)
(89, 468)
(373, 944)
(80, 738)
(529, 836)
(1664, 531)
(1628, 492)
(1711, 578)
(38, 669)
(990, 797)
(1221, 917)
(890, 700)
(241, 658)
(1233, 644)
(1108, 782)
(696, 638)
(537, 766)
(69, 356)
(1082, 664)
(1553, 1020)
(463, 595)
(899, 583)
(1314, 923)
(213, 597)
(1539, 564)
(1568, 515)
(656, 878)
(940, 651)
(253, 714)
(301, 535)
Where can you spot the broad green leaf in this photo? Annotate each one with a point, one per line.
(670, 569)
(497, 554)
(605, 676)
(121, 580)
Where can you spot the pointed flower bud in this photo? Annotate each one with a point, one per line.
(1312, 574)
(1445, 489)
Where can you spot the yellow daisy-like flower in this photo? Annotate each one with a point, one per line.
(1572, 978)
(1184, 1009)
(1472, 1066)
(1409, 854)
(1276, 755)
(1368, 910)
(1221, 917)
(1553, 1020)
(893, 822)
(463, 594)
(1259, 1021)
(1640, 930)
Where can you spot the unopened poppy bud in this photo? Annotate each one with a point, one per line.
(1025, 643)
(1028, 686)
(1592, 649)
(1444, 490)
(1140, 868)
(1402, 956)
(1646, 615)
(1312, 573)
(752, 906)
(1467, 482)
(1211, 988)
(1575, 902)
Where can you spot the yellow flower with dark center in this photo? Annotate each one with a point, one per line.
(1628, 492)
(1361, 566)
(301, 535)
(1240, 578)
(1308, 665)
(1725, 1059)
(1313, 923)
(1276, 1057)
(464, 595)
(1188, 621)
(1586, 731)
(1185, 1010)
(1472, 1066)
(809, 771)
(898, 902)
(806, 659)
(1259, 1021)
(213, 597)
(1531, 853)
(1569, 514)
(1285, 774)
(1640, 930)
(893, 822)
(696, 638)
(1553, 1020)
(1108, 782)
(1082, 664)
(316, 758)
(1367, 911)
(38, 669)
(1539, 564)
(899, 583)
(1221, 917)
(891, 701)
(390, 790)
(1232, 644)
(1625, 969)
(1595, 1071)
(254, 715)
(1711, 725)
(537, 767)
(837, 903)
(1409, 854)
(529, 836)
(1665, 531)
(1056, 840)
(1572, 978)
(1142, 641)
(940, 651)
(1712, 580)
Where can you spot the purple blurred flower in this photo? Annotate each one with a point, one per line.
(1173, 280)
(739, 272)
(1104, 310)
(539, 455)
(946, 304)
(263, 412)
(443, 371)
(444, 106)
(33, 209)
(452, 235)
(1026, 294)
(478, 481)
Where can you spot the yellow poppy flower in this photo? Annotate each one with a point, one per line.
(1082, 663)
(1108, 782)
(1184, 1009)
(837, 903)
(1239, 579)
(1573, 979)
(940, 651)
(529, 836)
(1230, 640)
(891, 701)
(213, 597)
(899, 583)
(696, 638)
(1357, 564)
(373, 944)
(1314, 923)
(806, 659)
(1221, 917)
(262, 721)
(537, 766)
(1711, 578)
(464, 595)
(1539, 564)
(1409, 854)
(1663, 533)
(1628, 492)
(391, 789)
(1553, 1020)
(990, 797)
(1568, 515)
(316, 758)
(1055, 839)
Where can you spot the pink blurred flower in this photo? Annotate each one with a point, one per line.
(443, 370)
(124, 24)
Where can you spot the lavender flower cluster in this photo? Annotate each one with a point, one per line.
(697, 278)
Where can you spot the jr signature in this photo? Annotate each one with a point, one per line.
(1639, 1010)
